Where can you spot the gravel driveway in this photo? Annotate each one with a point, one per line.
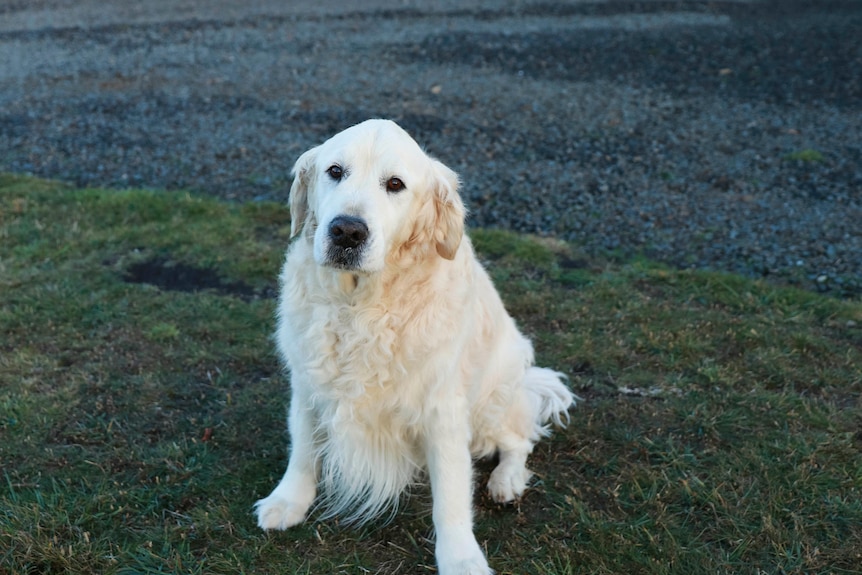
(715, 134)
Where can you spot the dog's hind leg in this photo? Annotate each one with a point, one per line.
(509, 479)
(514, 442)
(542, 398)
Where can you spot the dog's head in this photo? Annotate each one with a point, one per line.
(370, 193)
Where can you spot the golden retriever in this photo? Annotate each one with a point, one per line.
(402, 358)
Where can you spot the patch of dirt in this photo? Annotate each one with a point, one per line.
(177, 276)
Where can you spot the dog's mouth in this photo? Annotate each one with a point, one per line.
(348, 259)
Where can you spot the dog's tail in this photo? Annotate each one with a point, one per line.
(549, 396)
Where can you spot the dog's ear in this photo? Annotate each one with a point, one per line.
(450, 211)
(303, 176)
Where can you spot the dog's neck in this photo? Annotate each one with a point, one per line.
(392, 282)
(348, 281)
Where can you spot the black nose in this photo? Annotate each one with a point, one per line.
(348, 231)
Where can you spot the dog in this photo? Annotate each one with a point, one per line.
(403, 360)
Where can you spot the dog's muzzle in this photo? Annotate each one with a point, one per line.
(348, 236)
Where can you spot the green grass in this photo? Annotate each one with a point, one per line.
(720, 431)
(805, 156)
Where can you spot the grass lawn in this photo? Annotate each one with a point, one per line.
(139, 419)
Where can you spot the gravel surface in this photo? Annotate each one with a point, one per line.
(721, 135)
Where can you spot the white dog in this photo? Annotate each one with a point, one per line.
(401, 354)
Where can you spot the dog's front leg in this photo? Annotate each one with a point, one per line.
(288, 503)
(451, 472)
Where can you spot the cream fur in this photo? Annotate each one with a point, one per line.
(404, 360)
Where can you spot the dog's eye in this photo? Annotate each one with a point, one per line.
(335, 172)
(394, 185)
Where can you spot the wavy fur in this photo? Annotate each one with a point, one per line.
(406, 363)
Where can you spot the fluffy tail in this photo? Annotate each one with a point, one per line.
(549, 396)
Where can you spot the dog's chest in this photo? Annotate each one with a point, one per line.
(375, 350)
(357, 353)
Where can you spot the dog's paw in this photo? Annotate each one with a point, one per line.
(458, 553)
(275, 512)
(476, 566)
(508, 483)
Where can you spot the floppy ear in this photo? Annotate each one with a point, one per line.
(303, 174)
(450, 212)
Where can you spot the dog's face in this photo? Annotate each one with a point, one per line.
(370, 192)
